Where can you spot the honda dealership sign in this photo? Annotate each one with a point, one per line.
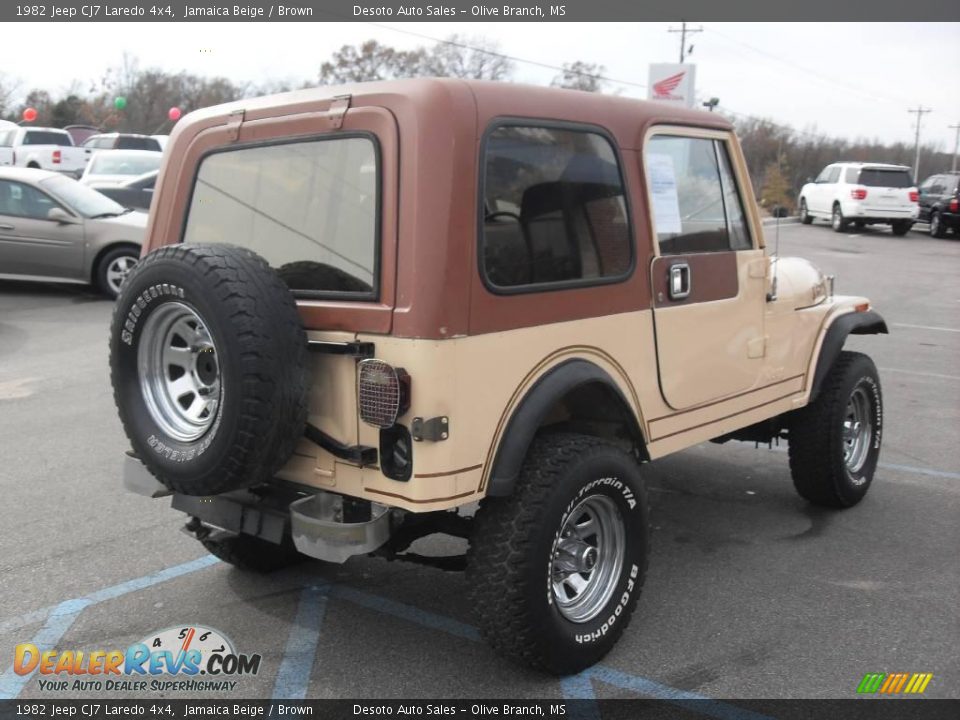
(673, 83)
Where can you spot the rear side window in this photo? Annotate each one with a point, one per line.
(553, 209)
(137, 143)
(695, 202)
(850, 175)
(46, 137)
(309, 208)
(881, 177)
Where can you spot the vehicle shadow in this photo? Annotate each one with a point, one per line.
(72, 292)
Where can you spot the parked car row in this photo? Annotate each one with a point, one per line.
(861, 194)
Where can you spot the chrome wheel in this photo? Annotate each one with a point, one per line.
(587, 558)
(837, 219)
(118, 270)
(179, 371)
(857, 431)
(935, 224)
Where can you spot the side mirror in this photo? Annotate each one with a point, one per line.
(61, 216)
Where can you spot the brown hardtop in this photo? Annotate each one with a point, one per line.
(430, 135)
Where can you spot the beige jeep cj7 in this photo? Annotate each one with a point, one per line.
(362, 310)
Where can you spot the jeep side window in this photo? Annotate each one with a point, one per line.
(310, 208)
(696, 206)
(554, 209)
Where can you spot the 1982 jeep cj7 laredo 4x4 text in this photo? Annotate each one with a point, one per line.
(360, 312)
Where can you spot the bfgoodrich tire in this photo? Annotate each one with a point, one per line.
(555, 570)
(208, 364)
(834, 442)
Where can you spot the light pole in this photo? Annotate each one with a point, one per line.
(956, 146)
(916, 163)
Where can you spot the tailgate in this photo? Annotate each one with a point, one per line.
(888, 188)
(72, 158)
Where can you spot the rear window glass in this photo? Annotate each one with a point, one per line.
(878, 177)
(553, 209)
(137, 143)
(46, 137)
(309, 208)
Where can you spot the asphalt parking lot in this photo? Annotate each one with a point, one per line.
(751, 592)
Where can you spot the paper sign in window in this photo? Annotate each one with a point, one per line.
(663, 193)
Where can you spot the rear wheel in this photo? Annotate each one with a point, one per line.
(805, 217)
(834, 442)
(555, 570)
(937, 229)
(837, 221)
(901, 227)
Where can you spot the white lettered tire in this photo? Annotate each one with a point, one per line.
(555, 570)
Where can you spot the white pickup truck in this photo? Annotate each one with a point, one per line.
(44, 148)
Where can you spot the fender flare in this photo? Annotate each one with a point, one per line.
(854, 323)
(532, 410)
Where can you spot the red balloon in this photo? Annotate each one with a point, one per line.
(174, 113)
(30, 114)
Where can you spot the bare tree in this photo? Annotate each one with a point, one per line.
(469, 58)
(368, 61)
(580, 75)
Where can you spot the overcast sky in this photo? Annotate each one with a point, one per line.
(844, 79)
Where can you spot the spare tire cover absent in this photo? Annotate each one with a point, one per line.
(208, 360)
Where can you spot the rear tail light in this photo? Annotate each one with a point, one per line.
(383, 393)
(954, 205)
(914, 196)
(56, 157)
(858, 194)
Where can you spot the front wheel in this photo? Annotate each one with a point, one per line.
(113, 268)
(555, 570)
(834, 442)
(805, 217)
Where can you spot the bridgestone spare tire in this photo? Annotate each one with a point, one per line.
(208, 360)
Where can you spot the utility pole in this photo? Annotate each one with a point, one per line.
(684, 31)
(956, 146)
(916, 163)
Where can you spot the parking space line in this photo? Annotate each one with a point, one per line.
(56, 626)
(114, 591)
(407, 612)
(926, 327)
(293, 677)
(920, 374)
(580, 687)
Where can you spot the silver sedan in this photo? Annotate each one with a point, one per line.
(54, 228)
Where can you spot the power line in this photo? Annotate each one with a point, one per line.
(514, 58)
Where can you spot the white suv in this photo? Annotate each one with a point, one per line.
(862, 194)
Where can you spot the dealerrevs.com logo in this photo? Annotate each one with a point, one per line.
(169, 660)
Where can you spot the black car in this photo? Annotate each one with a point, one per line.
(940, 203)
(134, 193)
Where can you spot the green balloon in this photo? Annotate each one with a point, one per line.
(120, 102)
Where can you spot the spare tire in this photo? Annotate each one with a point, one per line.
(208, 360)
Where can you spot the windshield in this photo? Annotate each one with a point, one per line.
(47, 137)
(86, 201)
(879, 177)
(117, 163)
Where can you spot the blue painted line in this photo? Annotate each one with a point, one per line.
(407, 612)
(920, 471)
(579, 687)
(293, 677)
(57, 624)
(690, 701)
(114, 591)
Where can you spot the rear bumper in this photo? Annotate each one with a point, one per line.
(853, 210)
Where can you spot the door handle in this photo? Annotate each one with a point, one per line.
(679, 281)
(7, 227)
